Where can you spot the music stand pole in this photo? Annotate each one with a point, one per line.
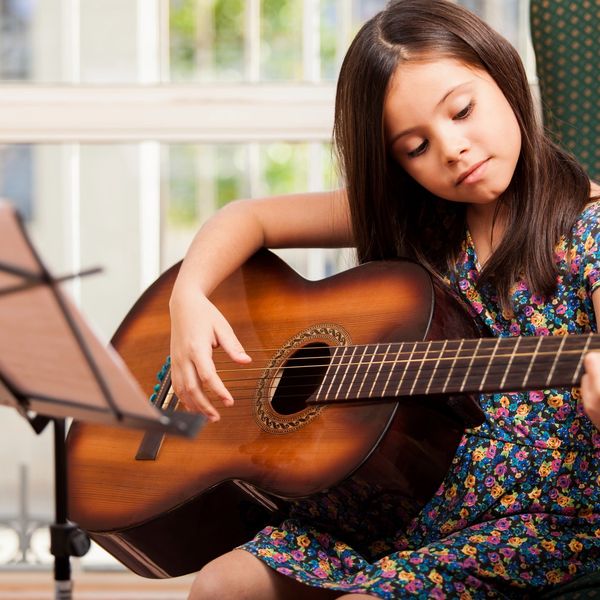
(52, 366)
(66, 539)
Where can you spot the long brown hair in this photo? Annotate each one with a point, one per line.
(391, 213)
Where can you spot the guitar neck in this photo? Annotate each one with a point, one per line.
(384, 370)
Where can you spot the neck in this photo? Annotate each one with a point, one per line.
(486, 228)
(374, 371)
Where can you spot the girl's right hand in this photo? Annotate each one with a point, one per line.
(198, 327)
(590, 387)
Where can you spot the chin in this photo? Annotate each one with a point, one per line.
(489, 196)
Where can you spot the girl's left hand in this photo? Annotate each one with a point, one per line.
(590, 387)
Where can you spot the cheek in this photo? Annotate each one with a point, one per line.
(412, 166)
(508, 131)
(517, 139)
(511, 144)
(425, 170)
(428, 177)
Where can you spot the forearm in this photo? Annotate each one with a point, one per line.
(237, 231)
(223, 243)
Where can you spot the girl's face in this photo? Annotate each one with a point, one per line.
(451, 129)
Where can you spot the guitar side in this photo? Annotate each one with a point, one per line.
(170, 515)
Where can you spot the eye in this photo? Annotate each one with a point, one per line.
(418, 151)
(465, 112)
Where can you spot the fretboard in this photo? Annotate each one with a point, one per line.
(454, 366)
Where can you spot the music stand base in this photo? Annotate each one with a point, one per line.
(66, 539)
(63, 590)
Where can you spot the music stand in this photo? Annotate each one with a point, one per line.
(52, 366)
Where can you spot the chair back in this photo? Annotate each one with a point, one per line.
(566, 42)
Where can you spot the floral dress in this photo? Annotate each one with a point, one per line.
(519, 510)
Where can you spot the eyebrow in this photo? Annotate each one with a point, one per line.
(442, 100)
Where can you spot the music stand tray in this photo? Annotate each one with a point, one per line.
(53, 366)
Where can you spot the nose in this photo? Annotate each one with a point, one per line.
(453, 145)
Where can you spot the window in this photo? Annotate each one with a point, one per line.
(124, 125)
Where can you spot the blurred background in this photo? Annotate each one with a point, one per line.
(124, 124)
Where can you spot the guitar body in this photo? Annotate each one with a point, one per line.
(196, 499)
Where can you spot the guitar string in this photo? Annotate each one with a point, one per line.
(250, 394)
(447, 355)
(441, 374)
(416, 360)
(392, 384)
(548, 340)
(458, 369)
(246, 393)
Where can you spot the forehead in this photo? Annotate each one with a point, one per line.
(418, 87)
(425, 80)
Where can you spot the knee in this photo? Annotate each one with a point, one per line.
(232, 576)
(209, 584)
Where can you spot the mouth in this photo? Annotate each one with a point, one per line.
(473, 173)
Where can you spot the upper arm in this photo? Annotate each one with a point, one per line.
(319, 219)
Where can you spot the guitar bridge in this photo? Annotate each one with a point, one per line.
(165, 400)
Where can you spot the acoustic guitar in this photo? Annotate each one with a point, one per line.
(367, 375)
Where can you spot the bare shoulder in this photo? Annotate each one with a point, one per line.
(594, 195)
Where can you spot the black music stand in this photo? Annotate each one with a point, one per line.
(52, 366)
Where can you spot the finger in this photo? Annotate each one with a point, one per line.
(591, 362)
(229, 342)
(590, 382)
(188, 388)
(590, 387)
(586, 390)
(208, 377)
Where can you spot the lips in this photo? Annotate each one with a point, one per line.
(470, 171)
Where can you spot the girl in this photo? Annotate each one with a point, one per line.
(443, 162)
(590, 387)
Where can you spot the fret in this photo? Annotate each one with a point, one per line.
(339, 351)
(489, 364)
(485, 351)
(354, 371)
(555, 362)
(446, 366)
(460, 365)
(519, 363)
(540, 360)
(464, 382)
(401, 381)
(532, 360)
(510, 361)
(420, 369)
(367, 373)
(451, 369)
(393, 365)
(577, 375)
(377, 378)
(570, 360)
(595, 344)
(435, 368)
(485, 366)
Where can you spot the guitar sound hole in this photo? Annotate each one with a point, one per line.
(299, 378)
